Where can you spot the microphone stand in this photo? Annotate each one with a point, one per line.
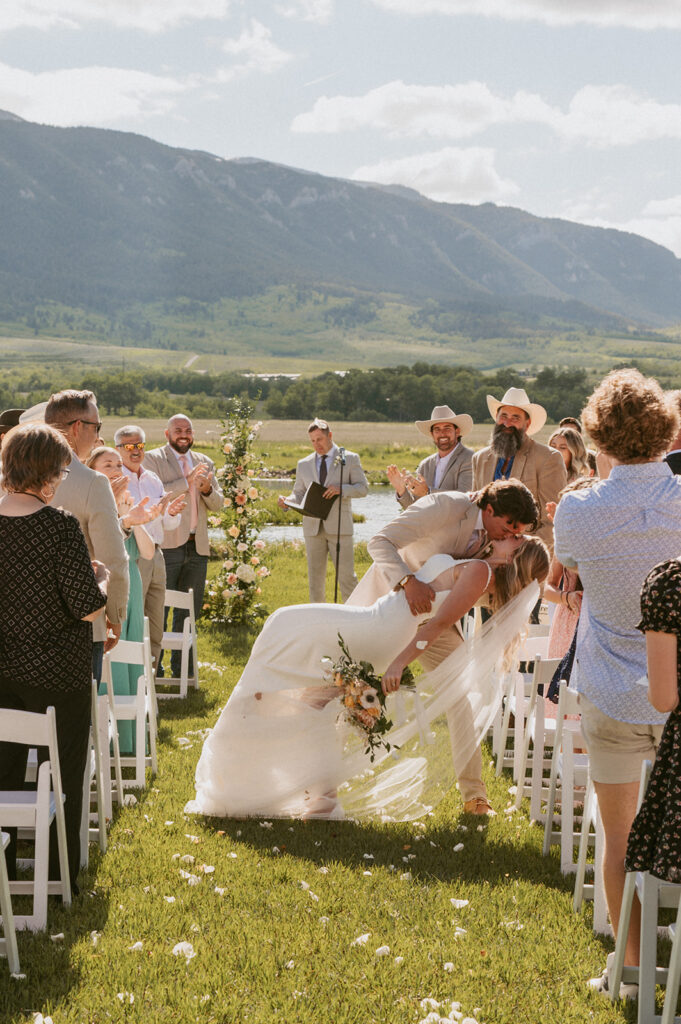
(341, 461)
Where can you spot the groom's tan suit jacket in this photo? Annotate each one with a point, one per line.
(440, 523)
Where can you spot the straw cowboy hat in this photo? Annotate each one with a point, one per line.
(517, 397)
(36, 414)
(443, 414)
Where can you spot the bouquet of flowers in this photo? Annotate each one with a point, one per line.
(361, 697)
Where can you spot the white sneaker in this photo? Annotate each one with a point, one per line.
(628, 990)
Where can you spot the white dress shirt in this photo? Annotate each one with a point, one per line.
(148, 485)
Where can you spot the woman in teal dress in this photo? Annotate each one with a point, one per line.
(138, 544)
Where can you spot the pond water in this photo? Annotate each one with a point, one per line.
(378, 508)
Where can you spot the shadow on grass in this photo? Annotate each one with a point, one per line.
(47, 964)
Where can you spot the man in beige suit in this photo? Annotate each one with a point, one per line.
(89, 497)
(321, 535)
(185, 548)
(445, 523)
(449, 469)
(513, 454)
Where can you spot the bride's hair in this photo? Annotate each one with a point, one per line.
(530, 562)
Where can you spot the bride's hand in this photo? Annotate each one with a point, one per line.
(392, 676)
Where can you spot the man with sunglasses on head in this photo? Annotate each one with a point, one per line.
(144, 483)
(89, 497)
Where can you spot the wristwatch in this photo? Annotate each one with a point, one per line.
(405, 579)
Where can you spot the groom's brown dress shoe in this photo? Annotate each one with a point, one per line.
(478, 805)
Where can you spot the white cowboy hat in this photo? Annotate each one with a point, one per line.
(36, 414)
(517, 397)
(443, 414)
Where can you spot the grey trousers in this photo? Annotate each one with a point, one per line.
(153, 573)
(319, 548)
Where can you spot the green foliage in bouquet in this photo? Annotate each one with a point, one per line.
(233, 593)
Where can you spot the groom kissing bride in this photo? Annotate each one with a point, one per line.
(461, 525)
(284, 744)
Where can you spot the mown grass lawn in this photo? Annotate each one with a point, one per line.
(276, 908)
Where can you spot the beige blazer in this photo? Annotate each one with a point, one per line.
(163, 461)
(89, 497)
(354, 486)
(440, 523)
(458, 475)
(539, 467)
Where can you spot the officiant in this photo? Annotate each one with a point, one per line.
(324, 466)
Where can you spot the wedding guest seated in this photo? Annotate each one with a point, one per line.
(613, 534)
(49, 596)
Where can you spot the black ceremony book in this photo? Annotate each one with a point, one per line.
(314, 503)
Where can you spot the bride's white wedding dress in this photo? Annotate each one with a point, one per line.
(281, 746)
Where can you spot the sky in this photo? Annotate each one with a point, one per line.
(564, 108)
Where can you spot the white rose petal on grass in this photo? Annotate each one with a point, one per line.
(323, 921)
(361, 940)
(169, 899)
(265, 824)
(126, 997)
(192, 839)
(481, 828)
(207, 869)
(129, 800)
(458, 848)
(184, 949)
(382, 951)
(367, 874)
(304, 885)
(187, 859)
(448, 966)
(459, 932)
(168, 823)
(429, 1004)
(232, 856)
(17, 976)
(290, 965)
(405, 876)
(459, 904)
(432, 1018)
(95, 937)
(323, 870)
(510, 810)
(398, 960)
(275, 849)
(59, 937)
(136, 947)
(219, 891)
(368, 856)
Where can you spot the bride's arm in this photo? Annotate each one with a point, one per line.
(471, 584)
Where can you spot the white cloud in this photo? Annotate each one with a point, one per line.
(307, 10)
(659, 220)
(640, 14)
(148, 15)
(398, 110)
(449, 175)
(254, 51)
(92, 96)
(599, 116)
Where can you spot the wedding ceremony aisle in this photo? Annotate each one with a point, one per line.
(188, 919)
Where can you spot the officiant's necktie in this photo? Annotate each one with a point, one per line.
(186, 464)
(322, 471)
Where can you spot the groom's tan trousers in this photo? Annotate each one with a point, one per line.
(470, 775)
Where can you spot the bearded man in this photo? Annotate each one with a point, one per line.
(513, 454)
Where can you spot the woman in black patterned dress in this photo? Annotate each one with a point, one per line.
(49, 595)
(655, 837)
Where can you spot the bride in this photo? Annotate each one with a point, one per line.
(282, 746)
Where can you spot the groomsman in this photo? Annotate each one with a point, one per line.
(186, 548)
(449, 469)
(323, 466)
(513, 454)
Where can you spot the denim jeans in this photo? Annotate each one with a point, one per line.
(185, 570)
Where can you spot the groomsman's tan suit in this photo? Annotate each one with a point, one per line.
(164, 462)
(89, 497)
(458, 475)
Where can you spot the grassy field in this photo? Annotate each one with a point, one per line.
(268, 948)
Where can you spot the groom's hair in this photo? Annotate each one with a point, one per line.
(510, 498)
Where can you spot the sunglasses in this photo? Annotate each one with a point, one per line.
(137, 447)
(90, 423)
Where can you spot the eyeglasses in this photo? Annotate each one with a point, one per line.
(64, 473)
(137, 447)
(90, 423)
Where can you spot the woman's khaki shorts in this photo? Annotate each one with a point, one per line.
(616, 749)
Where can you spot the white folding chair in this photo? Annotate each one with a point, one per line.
(570, 770)
(93, 825)
(8, 944)
(516, 693)
(538, 731)
(674, 973)
(185, 642)
(653, 894)
(139, 707)
(33, 811)
(591, 819)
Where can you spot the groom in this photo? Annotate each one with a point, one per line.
(457, 524)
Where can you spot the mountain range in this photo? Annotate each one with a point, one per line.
(100, 220)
